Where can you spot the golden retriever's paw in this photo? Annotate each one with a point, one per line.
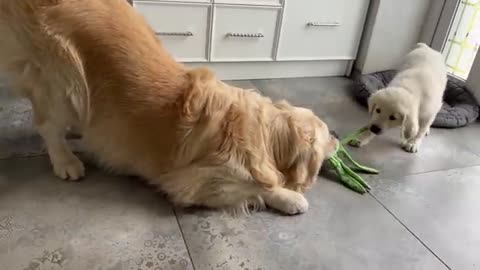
(427, 132)
(296, 204)
(411, 147)
(356, 143)
(69, 169)
(287, 201)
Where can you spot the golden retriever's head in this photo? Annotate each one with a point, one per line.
(303, 144)
(388, 108)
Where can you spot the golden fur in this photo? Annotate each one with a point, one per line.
(97, 67)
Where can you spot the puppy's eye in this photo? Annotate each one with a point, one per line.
(378, 110)
(392, 117)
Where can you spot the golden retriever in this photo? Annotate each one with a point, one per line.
(97, 67)
(411, 100)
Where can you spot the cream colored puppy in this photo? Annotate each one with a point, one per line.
(411, 100)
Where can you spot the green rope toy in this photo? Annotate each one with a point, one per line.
(348, 175)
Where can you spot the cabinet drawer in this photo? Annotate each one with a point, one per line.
(322, 29)
(191, 1)
(183, 28)
(244, 33)
(251, 2)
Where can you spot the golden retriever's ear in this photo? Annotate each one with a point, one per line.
(303, 172)
(201, 79)
(304, 134)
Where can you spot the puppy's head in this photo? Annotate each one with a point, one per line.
(387, 108)
(308, 142)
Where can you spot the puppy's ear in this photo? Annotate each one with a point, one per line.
(371, 105)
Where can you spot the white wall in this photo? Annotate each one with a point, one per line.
(391, 30)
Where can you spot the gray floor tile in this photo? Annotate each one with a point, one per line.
(330, 99)
(342, 230)
(17, 137)
(103, 222)
(441, 150)
(442, 209)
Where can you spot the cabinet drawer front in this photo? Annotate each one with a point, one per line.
(173, 1)
(322, 29)
(251, 2)
(244, 33)
(182, 28)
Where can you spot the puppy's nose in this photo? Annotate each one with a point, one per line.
(375, 129)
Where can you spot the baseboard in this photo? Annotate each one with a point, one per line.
(270, 70)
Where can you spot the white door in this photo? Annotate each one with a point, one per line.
(457, 36)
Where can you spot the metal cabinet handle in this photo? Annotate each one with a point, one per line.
(314, 24)
(246, 35)
(180, 34)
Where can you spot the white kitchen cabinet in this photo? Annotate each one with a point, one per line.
(183, 28)
(177, 1)
(246, 39)
(243, 33)
(250, 2)
(322, 29)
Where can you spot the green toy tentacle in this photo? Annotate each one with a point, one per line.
(348, 176)
(358, 167)
(345, 178)
(355, 176)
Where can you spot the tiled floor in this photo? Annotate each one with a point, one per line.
(423, 212)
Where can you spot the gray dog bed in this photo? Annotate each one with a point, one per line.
(459, 107)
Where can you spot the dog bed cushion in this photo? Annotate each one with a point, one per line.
(459, 107)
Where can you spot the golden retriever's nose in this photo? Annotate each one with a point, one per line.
(375, 129)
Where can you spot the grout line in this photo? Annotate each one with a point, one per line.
(183, 237)
(432, 171)
(410, 231)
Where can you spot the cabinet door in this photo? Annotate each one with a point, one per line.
(183, 28)
(251, 2)
(189, 1)
(244, 33)
(321, 29)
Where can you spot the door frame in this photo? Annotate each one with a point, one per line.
(435, 32)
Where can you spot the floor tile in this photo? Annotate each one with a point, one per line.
(441, 150)
(441, 208)
(103, 222)
(342, 230)
(17, 137)
(329, 98)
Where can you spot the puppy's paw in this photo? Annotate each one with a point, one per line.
(411, 147)
(427, 132)
(69, 169)
(356, 143)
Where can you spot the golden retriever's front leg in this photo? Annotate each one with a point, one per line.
(52, 128)
(286, 200)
